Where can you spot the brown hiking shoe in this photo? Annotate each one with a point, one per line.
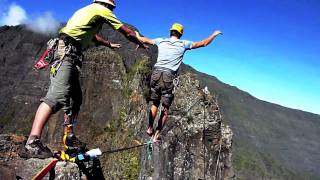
(35, 149)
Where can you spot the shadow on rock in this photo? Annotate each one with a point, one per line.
(92, 170)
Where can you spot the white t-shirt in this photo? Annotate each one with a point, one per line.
(171, 51)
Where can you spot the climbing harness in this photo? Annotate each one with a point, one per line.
(57, 64)
(48, 56)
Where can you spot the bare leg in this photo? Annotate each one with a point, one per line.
(34, 148)
(162, 121)
(43, 113)
(152, 116)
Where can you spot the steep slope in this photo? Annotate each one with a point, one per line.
(270, 140)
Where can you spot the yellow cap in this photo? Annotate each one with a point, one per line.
(177, 27)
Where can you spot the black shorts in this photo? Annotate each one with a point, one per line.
(162, 86)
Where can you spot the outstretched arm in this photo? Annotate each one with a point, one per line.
(131, 35)
(98, 39)
(206, 41)
(145, 40)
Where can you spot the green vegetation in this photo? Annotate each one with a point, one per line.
(118, 135)
(142, 68)
(6, 121)
(25, 130)
(128, 165)
(245, 159)
(261, 165)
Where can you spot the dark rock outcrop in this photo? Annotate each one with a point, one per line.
(13, 167)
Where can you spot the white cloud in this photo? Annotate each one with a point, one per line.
(16, 15)
(45, 23)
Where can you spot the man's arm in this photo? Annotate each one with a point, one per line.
(131, 35)
(145, 40)
(206, 41)
(98, 39)
(116, 24)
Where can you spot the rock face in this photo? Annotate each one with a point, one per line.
(196, 143)
(270, 141)
(14, 167)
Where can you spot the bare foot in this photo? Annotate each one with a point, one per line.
(156, 137)
(150, 131)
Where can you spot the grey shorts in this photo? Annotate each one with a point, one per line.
(65, 91)
(161, 84)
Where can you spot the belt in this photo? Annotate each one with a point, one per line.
(70, 40)
(165, 69)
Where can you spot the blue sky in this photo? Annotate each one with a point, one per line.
(270, 48)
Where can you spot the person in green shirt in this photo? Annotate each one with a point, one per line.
(65, 91)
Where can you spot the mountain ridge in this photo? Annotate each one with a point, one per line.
(229, 96)
(236, 88)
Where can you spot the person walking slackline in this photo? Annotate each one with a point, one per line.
(170, 55)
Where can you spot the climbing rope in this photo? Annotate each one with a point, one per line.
(218, 161)
(206, 92)
(203, 139)
(220, 147)
(123, 149)
(149, 145)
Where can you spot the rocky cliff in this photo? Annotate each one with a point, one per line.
(270, 141)
(196, 143)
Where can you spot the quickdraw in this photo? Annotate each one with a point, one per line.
(48, 56)
(55, 67)
(57, 64)
(175, 84)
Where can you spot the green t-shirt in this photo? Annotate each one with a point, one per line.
(85, 23)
